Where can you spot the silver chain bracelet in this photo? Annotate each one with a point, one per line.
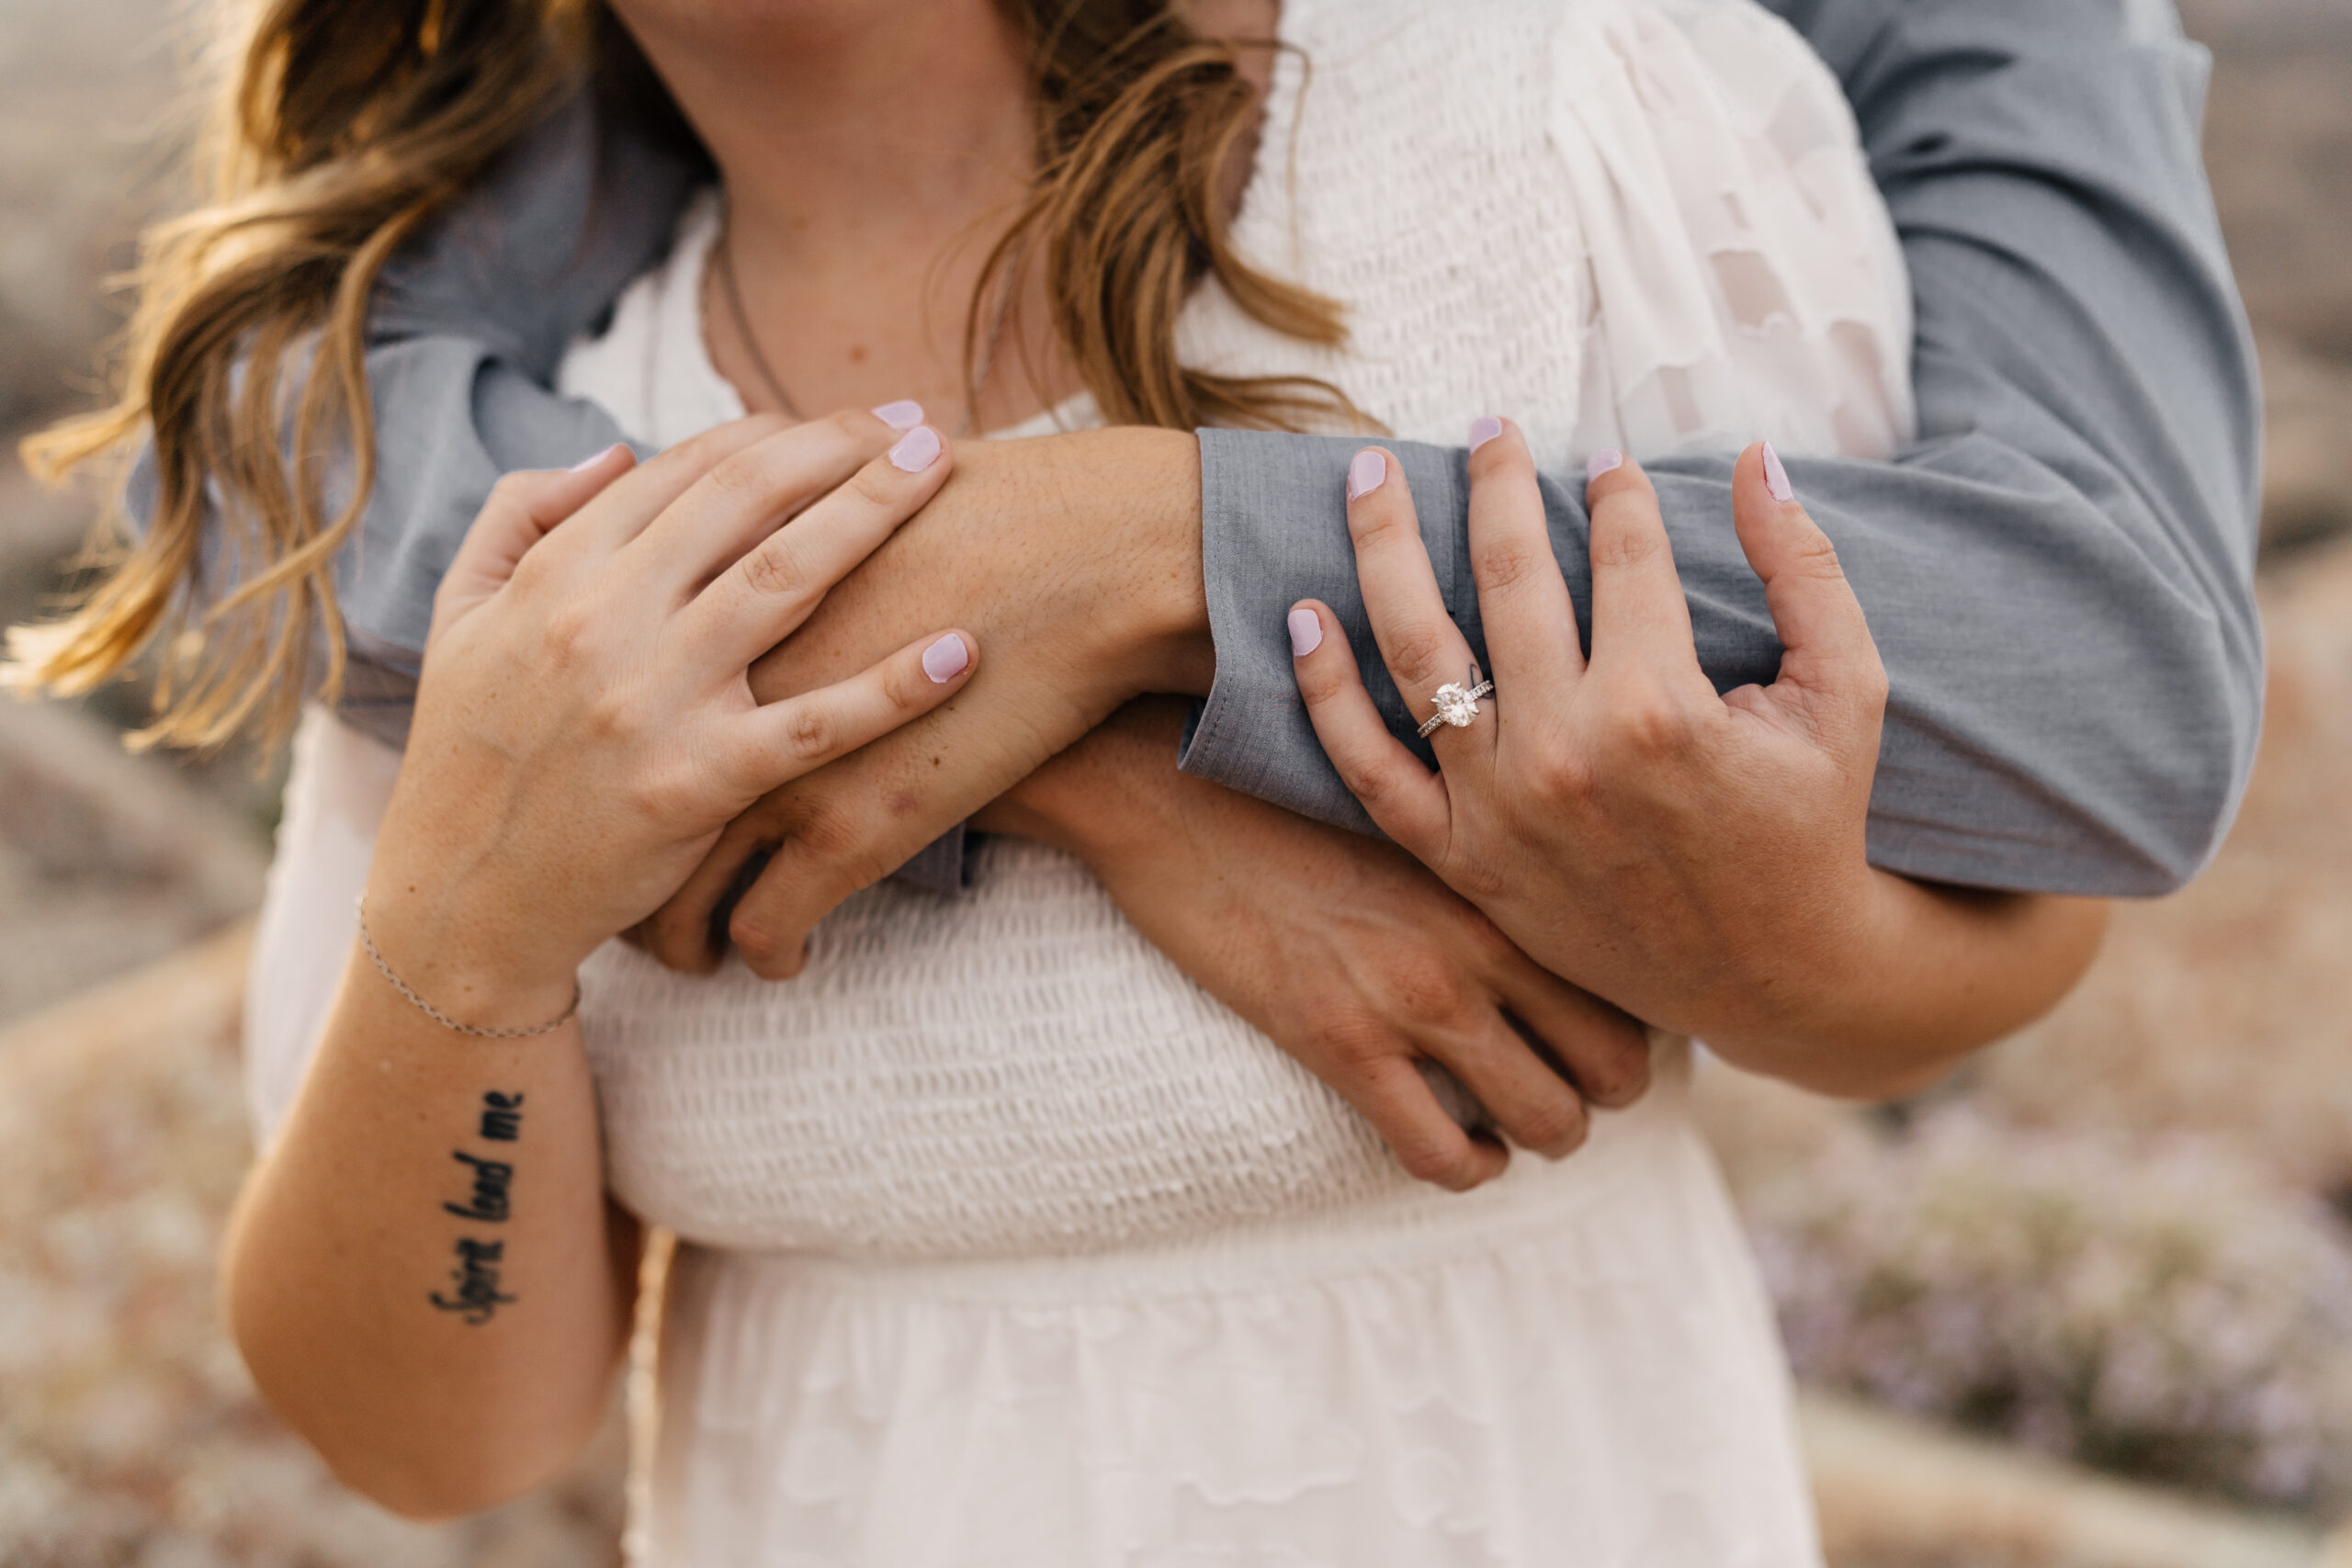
(435, 1013)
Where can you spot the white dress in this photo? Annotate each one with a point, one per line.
(1004, 1242)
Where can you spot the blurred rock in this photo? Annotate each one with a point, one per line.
(1896, 1495)
(129, 1431)
(2278, 147)
(107, 861)
(2227, 1008)
(2307, 449)
(91, 125)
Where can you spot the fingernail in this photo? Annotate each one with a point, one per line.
(1604, 461)
(918, 449)
(945, 659)
(1306, 632)
(1366, 474)
(592, 459)
(1483, 429)
(904, 414)
(1776, 477)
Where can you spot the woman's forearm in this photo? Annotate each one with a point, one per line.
(1943, 972)
(421, 1273)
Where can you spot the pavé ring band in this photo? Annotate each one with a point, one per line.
(1456, 704)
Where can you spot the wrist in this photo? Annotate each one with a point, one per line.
(459, 955)
(1101, 797)
(1141, 497)
(1840, 1028)
(1797, 989)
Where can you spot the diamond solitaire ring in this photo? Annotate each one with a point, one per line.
(1456, 704)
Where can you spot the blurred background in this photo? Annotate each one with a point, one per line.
(2089, 1303)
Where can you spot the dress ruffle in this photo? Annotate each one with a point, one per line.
(1557, 1369)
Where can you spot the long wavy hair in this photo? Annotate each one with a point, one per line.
(339, 131)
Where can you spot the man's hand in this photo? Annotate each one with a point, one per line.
(1075, 561)
(1699, 860)
(1354, 959)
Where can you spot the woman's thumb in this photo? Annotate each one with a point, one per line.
(524, 508)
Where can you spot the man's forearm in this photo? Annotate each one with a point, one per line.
(2058, 572)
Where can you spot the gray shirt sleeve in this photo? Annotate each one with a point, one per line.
(2058, 572)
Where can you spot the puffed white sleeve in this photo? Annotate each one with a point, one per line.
(335, 794)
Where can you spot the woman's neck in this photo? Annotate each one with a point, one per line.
(872, 151)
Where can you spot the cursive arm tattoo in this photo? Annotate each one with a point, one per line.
(475, 1279)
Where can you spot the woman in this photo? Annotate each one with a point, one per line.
(1320, 1359)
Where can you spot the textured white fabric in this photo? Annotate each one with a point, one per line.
(1573, 1367)
(1005, 1243)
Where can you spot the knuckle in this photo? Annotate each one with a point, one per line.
(678, 939)
(873, 485)
(1554, 1125)
(1810, 554)
(533, 568)
(1320, 681)
(1650, 725)
(836, 845)
(1427, 990)
(742, 478)
(1433, 1155)
(1871, 683)
(1624, 542)
(810, 733)
(1375, 527)
(1349, 1040)
(1561, 775)
(514, 490)
(905, 686)
(825, 832)
(1510, 565)
(755, 941)
(1486, 939)
(1624, 1068)
(570, 631)
(612, 720)
(772, 570)
(1374, 788)
(665, 795)
(1415, 654)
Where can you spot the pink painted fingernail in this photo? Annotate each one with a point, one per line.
(904, 414)
(1776, 477)
(1607, 460)
(945, 659)
(1483, 429)
(1306, 632)
(1367, 472)
(592, 460)
(918, 449)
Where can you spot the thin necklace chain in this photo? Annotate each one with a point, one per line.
(774, 384)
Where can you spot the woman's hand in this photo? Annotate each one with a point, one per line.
(1697, 859)
(1077, 559)
(585, 725)
(1354, 959)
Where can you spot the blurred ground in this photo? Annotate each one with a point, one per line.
(2120, 1238)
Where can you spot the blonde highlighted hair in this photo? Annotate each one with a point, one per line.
(340, 130)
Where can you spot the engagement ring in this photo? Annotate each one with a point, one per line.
(1456, 704)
